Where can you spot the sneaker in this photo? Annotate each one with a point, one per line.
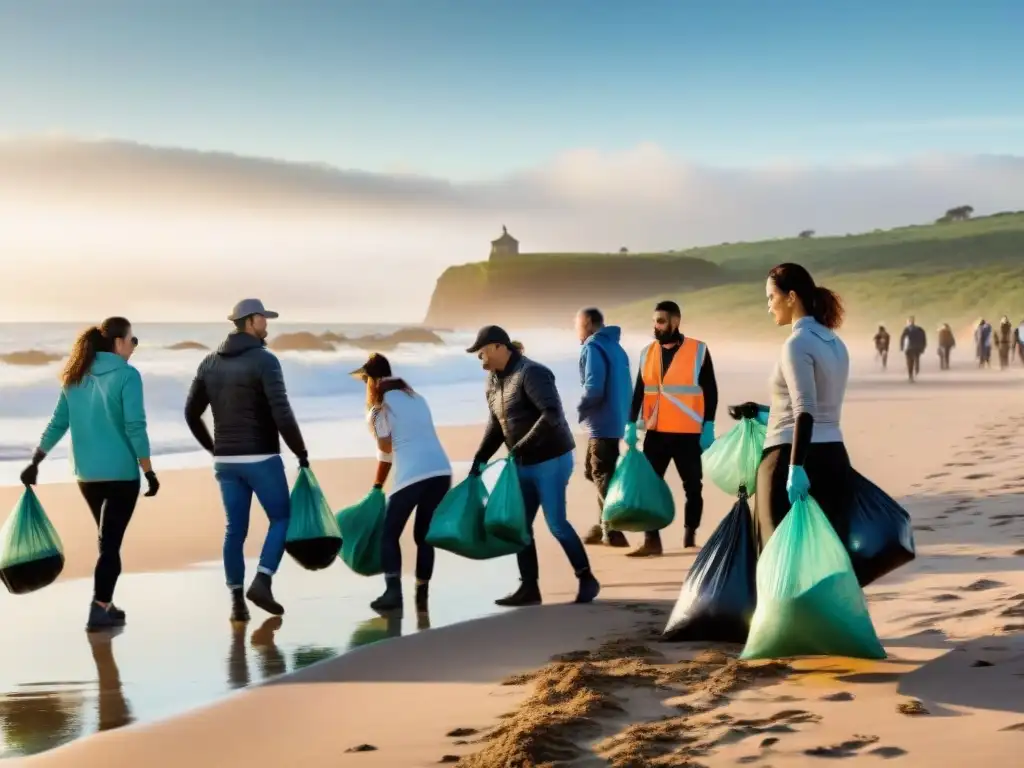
(100, 619)
(391, 600)
(527, 594)
(261, 595)
(589, 587)
(239, 610)
(690, 538)
(594, 537)
(616, 539)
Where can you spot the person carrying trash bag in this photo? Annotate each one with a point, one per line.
(243, 384)
(603, 409)
(401, 422)
(803, 449)
(526, 415)
(101, 403)
(676, 394)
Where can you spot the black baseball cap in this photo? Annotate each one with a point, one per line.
(490, 334)
(375, 367)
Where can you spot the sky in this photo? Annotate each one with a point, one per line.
(547, 115)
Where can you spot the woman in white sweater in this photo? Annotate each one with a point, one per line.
(403, 427)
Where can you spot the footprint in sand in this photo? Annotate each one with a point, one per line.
(1019, 727)
(971, 613)
(459, 733)
(977, 476)
(888, 753)
(924, 528)
(936, 475)
(362, 748)
(449, 759)
(981, 585)
(846, 749)
(946, 597)
(841, 696)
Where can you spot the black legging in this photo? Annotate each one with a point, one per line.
(112, 503)
(424, 497)
(828, 468)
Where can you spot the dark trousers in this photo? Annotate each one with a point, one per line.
(112, 503)
(683, 450)
(944, 358)
(424, 497)
(599, 466)
(883, 355)
(913, 363)
(828, 468)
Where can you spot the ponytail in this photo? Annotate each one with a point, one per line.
(828, 308)
(518, 347)
(98, 338)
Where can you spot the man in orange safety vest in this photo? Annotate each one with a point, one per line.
(675, 400)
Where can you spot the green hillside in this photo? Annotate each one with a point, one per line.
(950, 272)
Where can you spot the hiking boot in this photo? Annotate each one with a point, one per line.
(422, 594)
(616, 539)
(391, 600)
(650, 548)
(594, 537)
(690, 538)
(527, 594)
(239, 610)
(589, 587)
(261, 595)
(100, 619)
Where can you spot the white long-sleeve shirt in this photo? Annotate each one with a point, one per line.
(416, 451)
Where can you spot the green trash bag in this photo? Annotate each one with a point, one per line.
(637, 500)
(808, 600)
(313, 536)
(458, 524)
(31, 553)
(362, 533)
(505, 511)
(732, 461)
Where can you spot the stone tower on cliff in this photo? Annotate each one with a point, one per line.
(504, 246)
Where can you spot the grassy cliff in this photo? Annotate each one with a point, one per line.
(540, 288)
(951, 272)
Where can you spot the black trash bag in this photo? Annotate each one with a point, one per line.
(718, 598)
(31, 552)
(881, 536)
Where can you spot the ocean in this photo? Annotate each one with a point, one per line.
(327, 401)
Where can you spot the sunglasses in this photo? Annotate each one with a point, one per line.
(135, 341)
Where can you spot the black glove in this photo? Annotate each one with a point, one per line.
(303, 462)
(747, 410)
(378, 486)
(30, 475)
(154, 484)
(475, 470)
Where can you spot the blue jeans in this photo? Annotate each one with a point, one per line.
(544, 487)
(238, 482)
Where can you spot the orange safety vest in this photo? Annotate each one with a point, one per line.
(674, 403)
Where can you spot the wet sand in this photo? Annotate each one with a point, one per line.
(588, 685)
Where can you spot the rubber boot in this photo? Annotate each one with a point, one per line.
(690, 538)
(239, 610)
(527, 594)
(422, 596)
(261, 595)
(101, 619)
(589, 586)
(391, 600)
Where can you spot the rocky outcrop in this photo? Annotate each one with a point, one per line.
(304, 341)
(30, 357)
(187, 345)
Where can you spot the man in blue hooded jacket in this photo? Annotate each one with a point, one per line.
(604, 407)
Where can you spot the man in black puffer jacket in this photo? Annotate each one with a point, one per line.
(527, 416)
(243, 384)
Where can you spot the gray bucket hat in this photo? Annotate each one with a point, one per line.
(249, 307)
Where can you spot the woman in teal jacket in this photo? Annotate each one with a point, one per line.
(101, 403)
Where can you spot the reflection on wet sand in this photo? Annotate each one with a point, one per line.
(384, 627)
(42, 716)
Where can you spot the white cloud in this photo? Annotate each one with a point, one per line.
(330, 243)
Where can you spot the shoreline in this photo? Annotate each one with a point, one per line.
(963, 486)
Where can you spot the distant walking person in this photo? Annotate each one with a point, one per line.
(101, 403)
(913, 342)
(1018, 334)
(527, 416)
(882, 346)
(403, 426)
(676, 395)
(1004, 340)
(946, 344)
(603, 409)
(983, 343)
(242, 383)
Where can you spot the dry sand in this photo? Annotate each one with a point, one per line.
(590, 685)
